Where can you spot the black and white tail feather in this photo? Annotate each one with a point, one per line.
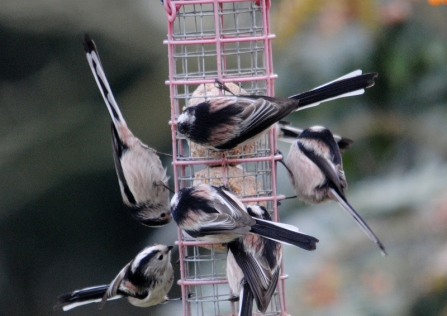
(341, 199)
(81, 297)
(285, 132)
(351, 84)
(142, 178)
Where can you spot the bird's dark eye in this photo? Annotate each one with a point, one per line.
(160, 258)
(163, 215)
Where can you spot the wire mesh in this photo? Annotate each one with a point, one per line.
(228, 40)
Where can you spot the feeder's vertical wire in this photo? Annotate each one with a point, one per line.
(270, 91)
(217, 39)
(221, 59)
(268, 48)
(217, 33)
(237, 44)
(203, 47)
(171, 63)
(197, 271)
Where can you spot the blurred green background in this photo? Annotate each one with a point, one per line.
(62, 223)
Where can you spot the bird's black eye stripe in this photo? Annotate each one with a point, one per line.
(148, 258)
(138, 277)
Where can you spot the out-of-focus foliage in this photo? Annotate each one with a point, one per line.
(62, 223)
(397, 166)
(293, 17)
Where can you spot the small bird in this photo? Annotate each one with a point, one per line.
(288, 134)
(253, 266)
(316, 173)
(225, 122)
(209, 213)
(142, 178)
(145, 281)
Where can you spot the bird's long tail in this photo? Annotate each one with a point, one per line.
(288, 134)
(101, 80)
(348, 208)
(283, 233)
(351, 84)
(81, 297)
(246, 301)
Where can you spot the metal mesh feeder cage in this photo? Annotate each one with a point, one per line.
(230, 41)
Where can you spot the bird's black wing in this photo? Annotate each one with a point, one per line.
(328, 168)
(259, 114)
(225, 215)
(227, 203)
(215, 224)
(258, 278)
(119, 149)
(115, 284)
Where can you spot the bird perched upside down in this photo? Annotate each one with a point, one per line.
(142, 178)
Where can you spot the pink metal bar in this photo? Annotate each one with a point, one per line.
(263, 199)
(224, 80)
(227, 161)
(202, 282)
(175, 153)
(242, 38)
(187, 2)
(270, 88)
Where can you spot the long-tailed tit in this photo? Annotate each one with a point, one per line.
(209, 213)
(254, 261)
(225, 122)
(145, 281)
(288, 134)
(316, 172)
(142, 178)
